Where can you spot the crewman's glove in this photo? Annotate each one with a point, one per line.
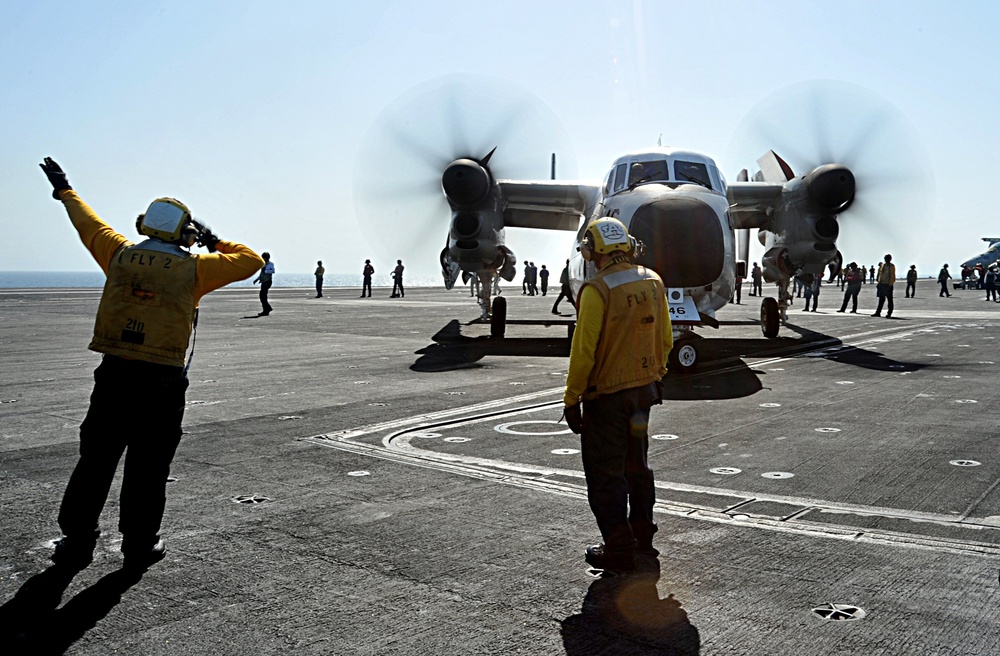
(574, 417)
(56, 176)
(208, 239)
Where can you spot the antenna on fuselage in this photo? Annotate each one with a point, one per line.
(553, 166)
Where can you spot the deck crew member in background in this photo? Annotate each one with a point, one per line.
(144, 323)
(854, 277)
(265, 280)
(319, 279)
(617, 361)
(755, 277)
(544, 275)
(911, 282)
(886, 279)
(564, 290)
(943, 277)
(366, 278)
(397, 280)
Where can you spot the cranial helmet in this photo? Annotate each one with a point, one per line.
(166, 219)
(605, 236)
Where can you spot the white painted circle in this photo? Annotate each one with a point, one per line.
(770, 405)
(964, 463)
(725, 471)
(456, 440)
(565, 452)
(506, 428)
(426, 436)
(966, 401)
(776, 475)
(827, 430)
(664, 436)
(360, 472)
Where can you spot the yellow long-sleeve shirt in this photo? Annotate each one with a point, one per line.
(232, 262)
(590, 320)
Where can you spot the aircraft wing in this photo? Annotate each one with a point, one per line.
(548, 204)
(751, 204)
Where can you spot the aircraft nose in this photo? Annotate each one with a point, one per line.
(683, 238)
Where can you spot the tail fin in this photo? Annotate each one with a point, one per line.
(773, 169)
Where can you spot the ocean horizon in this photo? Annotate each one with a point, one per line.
(95, 279)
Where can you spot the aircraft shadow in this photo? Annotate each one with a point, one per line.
(32, 623)
(453, 350)
(721, 371)
(625, 615)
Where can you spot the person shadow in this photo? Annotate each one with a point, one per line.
(33, 623)
(623, 614)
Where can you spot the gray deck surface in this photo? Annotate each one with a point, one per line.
(415, 495)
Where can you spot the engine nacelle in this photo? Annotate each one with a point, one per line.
(831, 187)
(466, 183)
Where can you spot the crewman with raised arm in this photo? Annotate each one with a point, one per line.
(145, 320)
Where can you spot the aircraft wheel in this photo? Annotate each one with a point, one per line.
(683, 357)
(770, 318)
(498, 318)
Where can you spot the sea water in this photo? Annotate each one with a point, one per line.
(85, 279)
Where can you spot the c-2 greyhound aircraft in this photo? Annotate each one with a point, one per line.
(693, 225)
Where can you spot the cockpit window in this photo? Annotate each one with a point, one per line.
(647, 171)
(620, 172)
(695, 172)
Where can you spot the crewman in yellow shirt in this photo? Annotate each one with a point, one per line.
(617, 361)
(144, 323)
(886, 279)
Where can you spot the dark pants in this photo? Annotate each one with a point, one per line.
(884, 294)
(851, 295)
(738, 290)
(266, 307)
(545, 285)
(397, 287)
(564, 292)
(944, 288)
(136, 408)
(911, 290)
(755, 289)
(319, 286)
(620, 485)
(366, 286)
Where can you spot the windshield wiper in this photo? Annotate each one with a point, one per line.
(695, 180)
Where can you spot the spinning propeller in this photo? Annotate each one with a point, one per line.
(411, 144)
(813, 123)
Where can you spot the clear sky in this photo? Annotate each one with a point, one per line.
(264, 117)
